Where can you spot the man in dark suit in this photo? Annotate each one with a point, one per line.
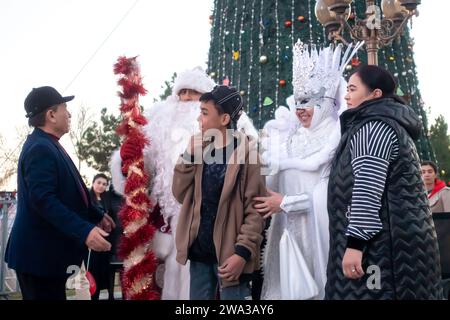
(55, 221)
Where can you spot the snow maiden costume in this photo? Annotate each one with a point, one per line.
(301, 156)
(171, 123)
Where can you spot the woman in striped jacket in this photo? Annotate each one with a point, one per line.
(382, 238)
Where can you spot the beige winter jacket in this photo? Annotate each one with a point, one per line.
(237, 221)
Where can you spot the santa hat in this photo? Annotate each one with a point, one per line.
(195, 79)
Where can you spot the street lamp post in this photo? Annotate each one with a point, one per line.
(376, 31)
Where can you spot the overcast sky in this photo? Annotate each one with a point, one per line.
(72, 45)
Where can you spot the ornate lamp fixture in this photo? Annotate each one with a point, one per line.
(380, 27)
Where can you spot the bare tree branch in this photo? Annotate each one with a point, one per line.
(77, 132)
(9, 157)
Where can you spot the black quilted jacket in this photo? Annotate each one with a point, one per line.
(405, 251)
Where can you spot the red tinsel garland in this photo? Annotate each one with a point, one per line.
(135, 246)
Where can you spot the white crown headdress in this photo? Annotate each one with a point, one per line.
(316, 74)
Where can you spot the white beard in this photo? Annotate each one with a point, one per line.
(170, 126)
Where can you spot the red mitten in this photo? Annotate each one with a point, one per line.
(125, 165)
(129, 151)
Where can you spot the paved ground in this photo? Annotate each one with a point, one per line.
(71, 293)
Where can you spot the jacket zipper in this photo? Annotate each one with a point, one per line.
(348, 213)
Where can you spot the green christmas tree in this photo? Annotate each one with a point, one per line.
(441, 143)
(99, 141)
(251, 48)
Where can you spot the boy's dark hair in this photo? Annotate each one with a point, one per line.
(219, 109)
(232, 124)
(375, 77)
(100, 175)
(38, 120)
(226, 100)
(431, 164)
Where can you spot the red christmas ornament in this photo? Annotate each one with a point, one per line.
(282, 83)
(352, 16)
(288, 23)
(301, 18)
(92, 283)
(355, 62)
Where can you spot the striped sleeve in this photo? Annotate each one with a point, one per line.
(373, 147)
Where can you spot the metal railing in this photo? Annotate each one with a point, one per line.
(5, 289)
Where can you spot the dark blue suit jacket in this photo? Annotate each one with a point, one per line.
(52, 220)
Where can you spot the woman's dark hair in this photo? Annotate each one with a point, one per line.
(100, 175)
(431, 164)
(375, 77)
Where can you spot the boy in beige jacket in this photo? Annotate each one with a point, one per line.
(219, 230)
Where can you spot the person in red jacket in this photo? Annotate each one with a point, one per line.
(438, 192)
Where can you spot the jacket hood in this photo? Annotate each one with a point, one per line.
(393, 108)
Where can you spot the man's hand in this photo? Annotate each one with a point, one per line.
(269, 205)
(107, 223)
(232, 268)
(96, 240)
(351, 264)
